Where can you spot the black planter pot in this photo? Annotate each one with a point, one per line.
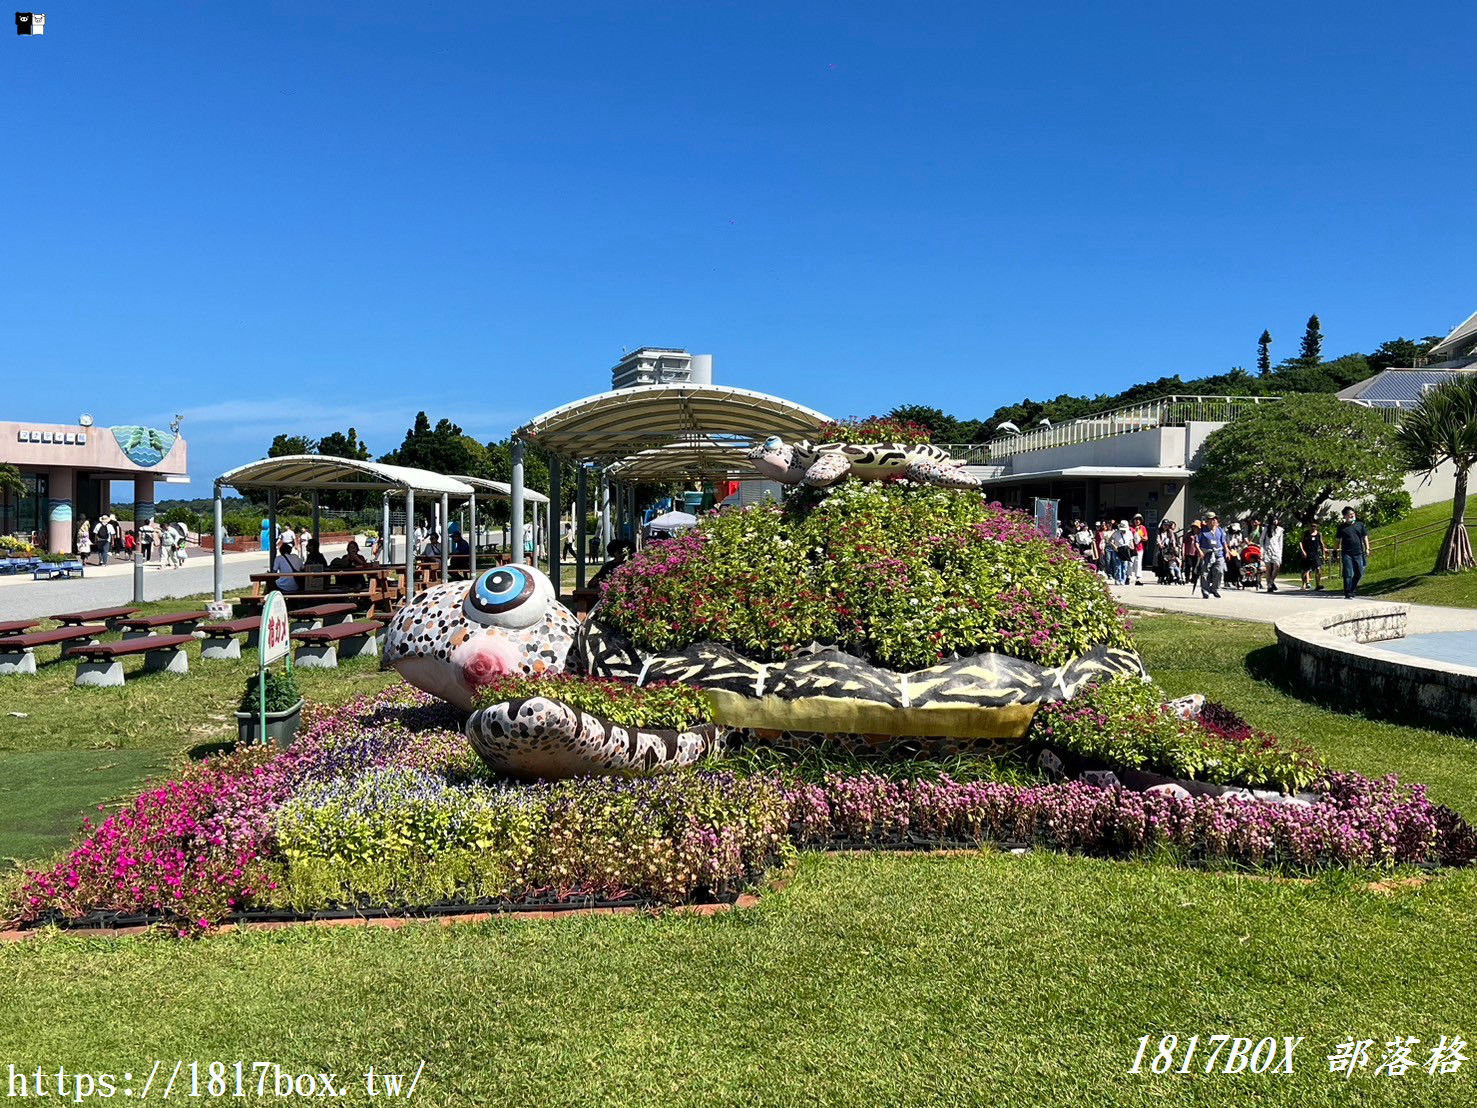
(281, 726)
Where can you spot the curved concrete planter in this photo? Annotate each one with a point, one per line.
(1337, 655)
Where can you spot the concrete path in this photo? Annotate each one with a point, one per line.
(111, 585)
(1263, 607)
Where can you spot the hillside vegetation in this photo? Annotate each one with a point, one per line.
(1403, 554)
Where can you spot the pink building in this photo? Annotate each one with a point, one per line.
(68, 470)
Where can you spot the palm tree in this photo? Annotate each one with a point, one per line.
(1443, 428)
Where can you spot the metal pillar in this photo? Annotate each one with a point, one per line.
(515, 509)
(143, 512)
(555, 525)
(387, 552)
(604, 514)
(445, 538)
(271, 527)
(580, 494)
(472, 525)
(318, 538)
(219, 558)
(409, 544)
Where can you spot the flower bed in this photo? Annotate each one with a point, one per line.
(662, 704)
(898, 574)
(1124, 723)
(382, 804)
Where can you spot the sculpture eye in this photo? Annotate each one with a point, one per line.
(774, 442)
(509, 596)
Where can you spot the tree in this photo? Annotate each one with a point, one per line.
(1400, 353)
(339, 445)
(1311, 352)
(442, 449)
(941, 427)
(283, 445)
(10, 480)
(1264, 353)
(1443, 428)
(1292, 455)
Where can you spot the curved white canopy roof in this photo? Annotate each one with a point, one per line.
(613, 425)
(319, 471)
(687, 458)
(501, 489)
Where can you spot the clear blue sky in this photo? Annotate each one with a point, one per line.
(297, 217)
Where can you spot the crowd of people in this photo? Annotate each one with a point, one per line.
(108, 537)
(1210, 557)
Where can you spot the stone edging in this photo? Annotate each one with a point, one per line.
(1336, 654)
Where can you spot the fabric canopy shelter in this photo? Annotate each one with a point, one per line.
(501, 490)
(315, 473)
(648, 433)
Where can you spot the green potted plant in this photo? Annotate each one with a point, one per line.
(284, 709)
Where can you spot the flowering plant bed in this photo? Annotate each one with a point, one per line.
(873, 429)
(381, 807)
(662, 704)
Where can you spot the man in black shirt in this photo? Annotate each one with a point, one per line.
(1353, 550)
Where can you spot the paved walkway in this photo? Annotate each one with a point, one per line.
(107, 586)
(1262, 607)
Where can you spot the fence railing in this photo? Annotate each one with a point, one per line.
(1166, 411)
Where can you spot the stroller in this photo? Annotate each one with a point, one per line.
(1251, 566)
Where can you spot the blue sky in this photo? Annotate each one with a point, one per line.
(276, 217)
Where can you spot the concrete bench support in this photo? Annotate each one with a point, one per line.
(17, 662)
(171, 660)
(360, 646)
(220, 648)
(312, 655)
(102, 674)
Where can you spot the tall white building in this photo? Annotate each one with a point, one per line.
(661, 365)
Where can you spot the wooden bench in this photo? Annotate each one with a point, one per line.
(179, 623)
(99, 664)
(16, 626)
(109, 617)
(319, 648)
(320, 615)
(17, 652)
(220, 643)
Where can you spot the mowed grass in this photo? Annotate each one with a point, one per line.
(973, 979)
(64, 750)
(1401, 560)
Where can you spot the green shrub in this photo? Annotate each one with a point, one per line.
(281, 692)
(902, 574)
(873, 429)
(1124, 723)
(661, 705)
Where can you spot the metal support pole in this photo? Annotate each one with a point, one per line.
(516, 507)
(317, 536)
(580, 494)
(409, 544)
(387, 552)
(271, 527)
(556, 525)
(604, 514)
(219, 555)
(445, 538)
(143, 512)
(472, 525)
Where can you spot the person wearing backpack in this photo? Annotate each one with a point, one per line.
(102, 538)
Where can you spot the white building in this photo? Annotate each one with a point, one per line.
(661, 365)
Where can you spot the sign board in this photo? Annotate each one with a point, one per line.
(1046, 516)
(276, 631)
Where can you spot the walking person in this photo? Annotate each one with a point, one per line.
(1272, 550)
(84, 539)
(1123, 541)
(1100, 546)
(1140, 541)
(1310, 547)
(1353, 541)
(102, 538)
(147, 538)
(1212, 556)
(168, 539)
(1192, 554)
(569, 551)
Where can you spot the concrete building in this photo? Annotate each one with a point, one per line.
(661, 365)
(68, 470)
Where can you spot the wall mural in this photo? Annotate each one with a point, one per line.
(144, 446)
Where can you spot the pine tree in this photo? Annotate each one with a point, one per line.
(1312, 352)
(1264, 353)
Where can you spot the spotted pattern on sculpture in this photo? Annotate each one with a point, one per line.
(825, 463)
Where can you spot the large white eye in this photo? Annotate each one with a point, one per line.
(774, 442)
(509, 596)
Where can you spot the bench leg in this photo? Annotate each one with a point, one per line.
(136, 635)
(100, 675)
(17, 662)
(305, 624)
(220, 648)
(342, 617)
(182, 629)
(253, 640)
(316, 656)
(172, 660)
(360, 646)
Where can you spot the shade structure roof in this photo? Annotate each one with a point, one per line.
(694, 458)
(611, 426)
(318, 471)
(1463, 334)
(501, 489)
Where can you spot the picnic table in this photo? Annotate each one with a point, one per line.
(108, 616)
(374, 588)
(18, 652)
(179, 623)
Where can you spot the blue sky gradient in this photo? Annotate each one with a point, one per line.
(276, 217)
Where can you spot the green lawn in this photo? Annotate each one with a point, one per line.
(963, 979)
(1400, 565)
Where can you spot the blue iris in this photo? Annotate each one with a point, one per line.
(502, 588)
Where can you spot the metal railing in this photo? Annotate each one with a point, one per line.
(1166, 411)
